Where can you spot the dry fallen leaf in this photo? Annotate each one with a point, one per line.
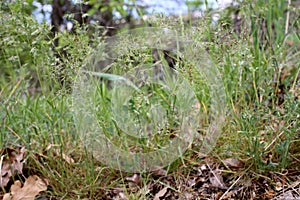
(159, 171)
(233, 163)
(134, 179)
(188, 196)
(5, 174)
(285, 196)
(161, 193)
(121, 196)
(11, 162)
(32, 187)
(216, 180)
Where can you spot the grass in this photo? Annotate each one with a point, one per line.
(259, 68)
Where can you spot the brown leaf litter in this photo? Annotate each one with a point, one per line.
(11, 163)
(31, 188)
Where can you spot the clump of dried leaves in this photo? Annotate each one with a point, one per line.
(11, 164)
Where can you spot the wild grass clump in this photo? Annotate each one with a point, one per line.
(259, 65)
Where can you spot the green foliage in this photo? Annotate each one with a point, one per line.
(258, 67)
(25, 47)
(25, 7)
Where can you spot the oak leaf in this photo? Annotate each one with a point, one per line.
(31, 188)
(11, 163)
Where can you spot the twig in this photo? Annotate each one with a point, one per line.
(274, 140)
(235, 182)
(287, 18)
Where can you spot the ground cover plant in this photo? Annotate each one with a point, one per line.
(255, 47)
